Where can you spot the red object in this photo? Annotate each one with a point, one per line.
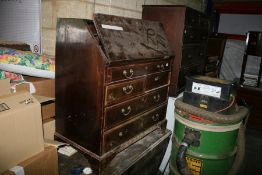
(239, 7)
(234, 36)
(199, 119)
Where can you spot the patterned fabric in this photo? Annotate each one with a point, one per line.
(13, 76)
(15, 79)
(26, 58)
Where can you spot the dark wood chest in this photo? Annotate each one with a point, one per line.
(187, 32)
(112, 81)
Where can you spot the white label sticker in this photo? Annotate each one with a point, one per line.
(18, 170)
(204, 89)
(111, 27)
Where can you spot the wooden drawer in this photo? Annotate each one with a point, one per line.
(117, 92)
(158, 67)
(126, 72)
(192, 18)
(204, 23)
(121, 112)
(134, 71)
(192, 35)
(156, 80)
(131, 128)
(192, 55)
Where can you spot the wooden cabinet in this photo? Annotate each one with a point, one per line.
(253, 48)
(215, 51)
(112, 81)
(187, 32)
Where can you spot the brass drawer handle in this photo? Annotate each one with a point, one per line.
(122, 133)
(161, 67)
(156, 78)
(127, 111)
(128, 89)
(156, 98)
(128, 75)
(155, 117)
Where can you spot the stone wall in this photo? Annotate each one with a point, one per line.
(53, 9)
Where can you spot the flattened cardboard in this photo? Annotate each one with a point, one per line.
(47, 106)
(49, 129)
(43, 163)
(43, 86)
(5, 86)
(21, 129)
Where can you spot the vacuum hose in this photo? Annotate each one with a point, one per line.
(218, 118)
(240, 151)
(181, 154)
(188, 139)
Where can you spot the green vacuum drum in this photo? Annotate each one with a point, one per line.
(215, 144)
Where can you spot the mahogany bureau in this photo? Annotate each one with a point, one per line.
(112, 81)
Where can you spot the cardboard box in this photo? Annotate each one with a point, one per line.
(5, 86)
(49, 129)
(43, 86)
(43, 163)
(21, 133)
(45, 94)
(47, 103)
(47, 106)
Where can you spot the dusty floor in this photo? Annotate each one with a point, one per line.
(252, 162)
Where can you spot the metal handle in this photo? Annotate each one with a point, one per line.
(128, 75)
(156, 78)
(189, 56)
(121, 133)
(157, 98)
(128, 89)
(155, 117)
(161, 67)
(126, 112)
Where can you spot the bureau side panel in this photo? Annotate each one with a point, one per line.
(80, 69)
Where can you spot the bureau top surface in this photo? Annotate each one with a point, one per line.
(131, 39)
